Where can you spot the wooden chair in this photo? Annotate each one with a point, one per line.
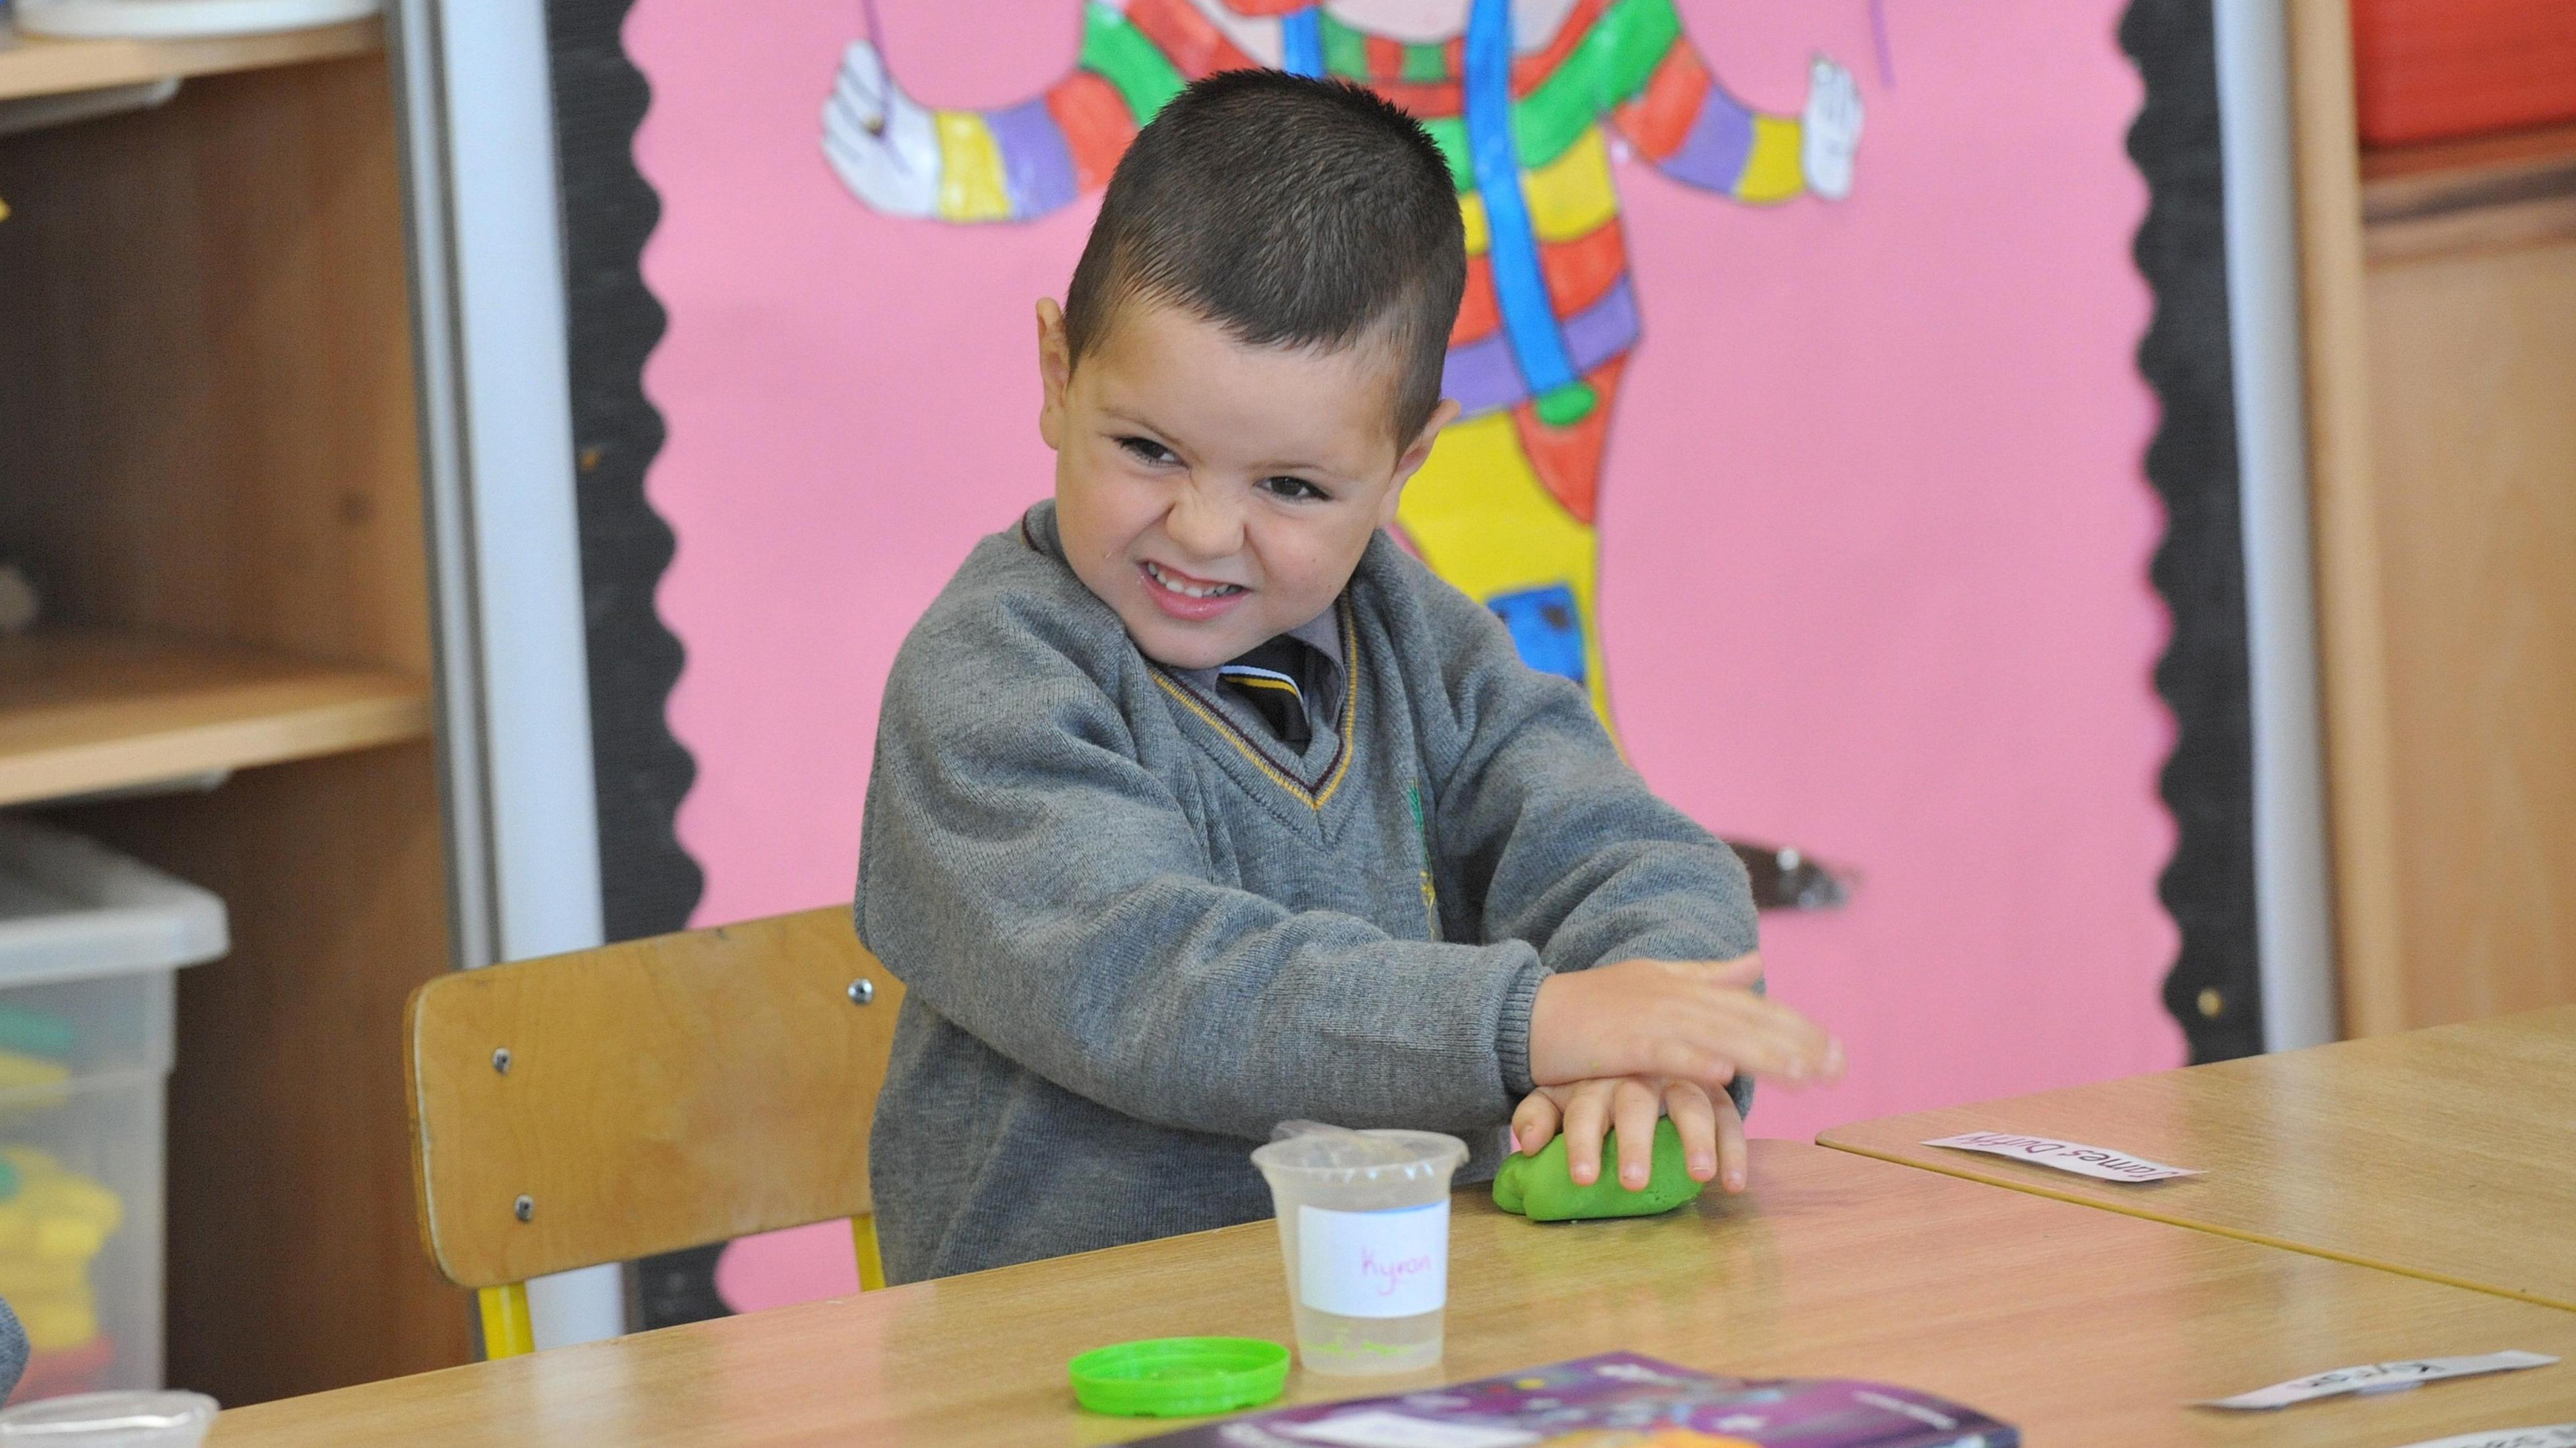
(644, 1097)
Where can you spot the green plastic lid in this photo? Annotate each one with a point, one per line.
(1180, 1377)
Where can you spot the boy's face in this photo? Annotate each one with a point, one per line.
(1217, 494)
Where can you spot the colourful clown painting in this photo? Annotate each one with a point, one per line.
(1528, 100)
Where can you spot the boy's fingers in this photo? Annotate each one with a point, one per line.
(1587, 1115)
(1743, 971)
(1768, 1039)
(1683, 1050)
(1634, 1107)
(1534, 1125)
(1711, 1072)
(1733, 1160)
(1696, 1120)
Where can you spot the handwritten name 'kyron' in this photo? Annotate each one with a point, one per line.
(1390, 1277)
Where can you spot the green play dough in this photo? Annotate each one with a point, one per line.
(1541, 1189)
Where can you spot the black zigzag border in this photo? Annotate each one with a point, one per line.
(648, 884)
(2205, 675)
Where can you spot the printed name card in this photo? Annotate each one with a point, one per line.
(2556, 1435)
(2385, 1378)
(2092, 1161)
(1374, 1264)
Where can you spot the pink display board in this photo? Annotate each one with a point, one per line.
(1873, 527)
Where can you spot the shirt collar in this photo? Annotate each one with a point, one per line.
(1323, 634)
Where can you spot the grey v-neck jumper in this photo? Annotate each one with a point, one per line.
(1134, 936)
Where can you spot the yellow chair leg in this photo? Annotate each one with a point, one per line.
(506, 1332)
(863, 1232)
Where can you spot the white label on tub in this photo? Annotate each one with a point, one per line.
(2382, 1378)
(2074, 1156)
(1374, 1264)
(2556, 1435)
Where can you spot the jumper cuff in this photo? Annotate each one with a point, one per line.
(1512, 1032)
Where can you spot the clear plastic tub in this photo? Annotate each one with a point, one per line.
(89, 942)
(178, 19)
(81, 1233)
(73, 909)
(1364, 1226)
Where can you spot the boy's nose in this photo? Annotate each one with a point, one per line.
(1205, 522)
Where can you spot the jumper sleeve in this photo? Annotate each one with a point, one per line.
(1016, 163)
(1551, 835)
(1686, 123)
(1034, 884)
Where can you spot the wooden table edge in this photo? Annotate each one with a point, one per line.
(2038, 1189)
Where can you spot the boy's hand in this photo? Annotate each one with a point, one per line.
(1695, 1021)
(1712, 1134)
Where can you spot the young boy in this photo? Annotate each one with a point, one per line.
(1199, 805)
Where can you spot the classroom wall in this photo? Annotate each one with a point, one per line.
(1874, 529)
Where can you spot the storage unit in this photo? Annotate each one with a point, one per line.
(89, 942)
(2429, 70)
(209, 463)
(2440, 289)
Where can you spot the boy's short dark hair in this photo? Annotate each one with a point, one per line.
(1291, 212)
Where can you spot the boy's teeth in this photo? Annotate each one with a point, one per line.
(1191, 590)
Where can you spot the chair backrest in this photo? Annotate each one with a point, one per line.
(654, 1095)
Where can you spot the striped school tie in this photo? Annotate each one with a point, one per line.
(1272, 679)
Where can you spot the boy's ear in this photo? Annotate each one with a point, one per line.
(1414, 456)
(1055, 371)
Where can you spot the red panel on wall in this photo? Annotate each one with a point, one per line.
(2426, 69)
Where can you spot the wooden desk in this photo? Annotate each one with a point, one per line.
(2447, 1153)
(2083, 1327)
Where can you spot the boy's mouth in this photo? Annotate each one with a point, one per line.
(1185, 597)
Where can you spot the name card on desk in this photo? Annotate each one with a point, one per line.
(2387, 1378)
(2557, 1435)
(2098, 1162)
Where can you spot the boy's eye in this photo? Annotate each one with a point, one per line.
(1146, 450)
(1295, 489)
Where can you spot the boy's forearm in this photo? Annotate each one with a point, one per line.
(1591, 868)
(1559, 843)
(1629, 896)
(1206, 1009)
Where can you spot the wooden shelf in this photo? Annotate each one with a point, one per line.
(32, 65)
(85, 711)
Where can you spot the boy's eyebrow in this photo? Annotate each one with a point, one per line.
(1119, 414)
(1126, 417)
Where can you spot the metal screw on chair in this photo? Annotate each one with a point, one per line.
(524, 1208)
(501, 1060)
(862, 991)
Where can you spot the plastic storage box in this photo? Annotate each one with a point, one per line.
(2425, 70)
(89, 944)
